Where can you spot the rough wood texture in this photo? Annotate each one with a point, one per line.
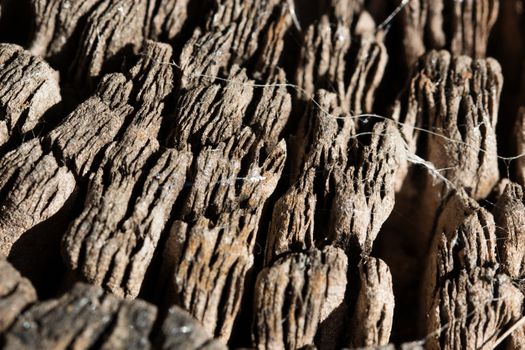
(34, 186)
(81, 319)
(269, 174)
(16, 294)
(461, 27)
(113, 26)
(113, 239)
(207, 262)
(465, 287)
(510, 228)
(373, 315)
(323, 60)
(28, 89)
(448, 118)
(305, 288)
(459, 98)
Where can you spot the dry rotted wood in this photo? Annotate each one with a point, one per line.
(461, 27)
(28, 89)
(83, 318)
(255, 171)
(16, 294)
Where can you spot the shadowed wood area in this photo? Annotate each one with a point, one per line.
(262, 174)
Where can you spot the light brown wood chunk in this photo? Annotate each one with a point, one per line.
(463, 27)
(16, 294)
(92, 125)
(201, 119)
(458, 98)
(81, 319)
(509, 216)
(28, 89)
(296, 294)
(219, 182)
(206, 263)
(169, 19)
(465, 290)
(36, 187)
(374, 311)
(111, 27)
(113, 240)
(324, 64)
(365, 190)
(55, 24)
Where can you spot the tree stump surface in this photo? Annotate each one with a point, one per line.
(275, 174)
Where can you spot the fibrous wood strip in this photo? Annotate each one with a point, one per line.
(355, 179)
(16, 294)
(93, 124)
(463, 27)
(509, 217)
(238, 160)
(40, 176)
(152, 76)
(249, 19)
(210, 114)
(365, 190)
(292, 225)
(271, 46)
(28, 89)
(34, 187)
(324, 144)
(207, 262)
(181, 331)
(296, 294)
(81, 319)
(169, 19)
(374, 310)
(112, 241)
(55, 24)
(273, 108)
(324, 62)
(470, 301)
(112, 27)
(458, 98)
(230, 38)
(220, 183)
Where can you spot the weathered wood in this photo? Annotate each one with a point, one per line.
(111, 27)
(323, 61)
(113, 239)
(207, 262)
(448, 118)
(461, 27)
(83, 318)
(56, 25)
(464, 288)
(246, 169)
(36, 186)
(16, 294)
(373, 316)
(509, 218)
(297, 293)
(28, 89)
